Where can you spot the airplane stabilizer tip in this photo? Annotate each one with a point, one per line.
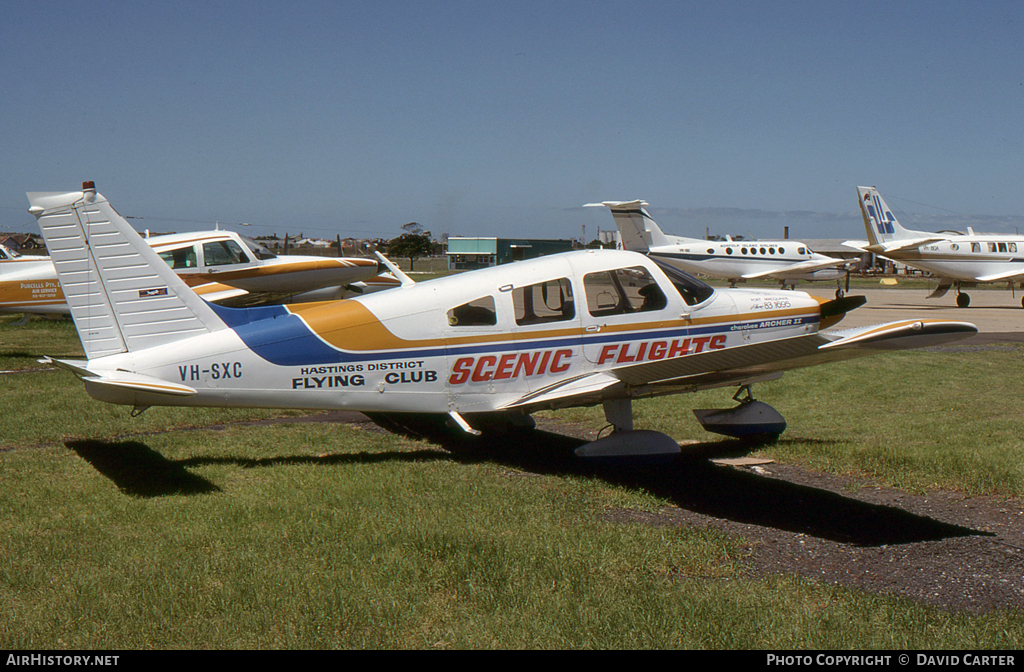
(639, 447)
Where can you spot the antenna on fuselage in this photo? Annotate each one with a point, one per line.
(395, 270)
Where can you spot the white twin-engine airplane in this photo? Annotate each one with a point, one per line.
(787, 261)
(484, 347)
(956, 258)
(221, 266)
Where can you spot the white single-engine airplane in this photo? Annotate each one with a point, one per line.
(787, 261)
(956, 258)
(578, 328)
(221, 266)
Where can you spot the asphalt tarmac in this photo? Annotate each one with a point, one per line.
(997, 313)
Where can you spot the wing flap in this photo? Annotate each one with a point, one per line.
(575, 388)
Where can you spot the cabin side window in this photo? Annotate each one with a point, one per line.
(624, 290)
(184, 257)
(223, 252)
(975, 247)
(549, 301)
(477, 313)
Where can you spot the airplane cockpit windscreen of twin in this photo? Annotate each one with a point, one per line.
(690, 288)
(258, 249)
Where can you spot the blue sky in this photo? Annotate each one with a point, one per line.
(503, 118)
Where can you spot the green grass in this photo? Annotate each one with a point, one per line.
(914, 420)
(120, 534)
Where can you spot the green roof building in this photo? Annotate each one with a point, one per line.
(465, 254)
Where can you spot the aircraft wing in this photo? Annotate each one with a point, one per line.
(733, 365)
(749, 363)
(802, 267)
(996, 277)
(215, 292)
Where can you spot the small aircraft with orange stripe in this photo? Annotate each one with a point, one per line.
(221, 266)
(479, 350)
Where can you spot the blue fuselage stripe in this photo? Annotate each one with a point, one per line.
(284, 339)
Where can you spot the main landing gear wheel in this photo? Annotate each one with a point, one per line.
(963, 300)
(753, 421)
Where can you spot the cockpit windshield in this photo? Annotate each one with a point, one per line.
(258, 249)
(690, 288)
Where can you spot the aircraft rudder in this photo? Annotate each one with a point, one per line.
(879, 222)
(638, 231)
(122, 295)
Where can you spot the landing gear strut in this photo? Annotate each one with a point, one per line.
(626, 445)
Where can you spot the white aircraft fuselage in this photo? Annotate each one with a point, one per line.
(785, 261)
(953, 257)
(399, 351)
(740, 260)
(578, 328)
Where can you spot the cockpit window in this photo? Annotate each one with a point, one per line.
(690, 288)
(476, 313)
(223, 252)
(624, 290)
(259, 249)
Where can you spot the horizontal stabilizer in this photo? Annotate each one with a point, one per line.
(902, 245)
(121, 379)
(140, 383)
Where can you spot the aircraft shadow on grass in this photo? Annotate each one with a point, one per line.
(139, 471)
(692, 482)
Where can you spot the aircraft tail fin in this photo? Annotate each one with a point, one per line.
(122, 295)
(637, 230)
(881, 225)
